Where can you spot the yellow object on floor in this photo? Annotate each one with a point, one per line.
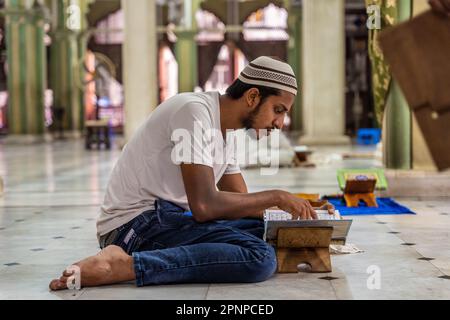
(309, 196)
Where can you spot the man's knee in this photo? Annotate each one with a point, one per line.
(264, 265)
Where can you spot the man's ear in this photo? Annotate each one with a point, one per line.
(252, 98)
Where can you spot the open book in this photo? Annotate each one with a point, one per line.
(275, 219)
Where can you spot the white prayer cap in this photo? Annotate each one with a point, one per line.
(269, 72)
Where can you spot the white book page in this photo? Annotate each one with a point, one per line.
(280, 215)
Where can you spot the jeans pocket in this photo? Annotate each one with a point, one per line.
(129, 235)
(167, 219)
(128, 240)
(170, 215)
(174, 220)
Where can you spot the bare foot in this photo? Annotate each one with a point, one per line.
(109, 266)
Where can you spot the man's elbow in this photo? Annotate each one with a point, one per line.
(201, 212)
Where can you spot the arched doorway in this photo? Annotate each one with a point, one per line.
(224, 54)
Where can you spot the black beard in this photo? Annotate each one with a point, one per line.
(249, 122)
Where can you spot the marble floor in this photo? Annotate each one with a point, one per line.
(53, 192)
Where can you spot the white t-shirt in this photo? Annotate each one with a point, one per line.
(146, 170)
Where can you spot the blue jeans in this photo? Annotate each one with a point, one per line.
(169, 246)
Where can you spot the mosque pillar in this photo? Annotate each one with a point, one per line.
(323, 64)
(26, 58)
(295, 57)
(67, 54)
(140, 62)
(397, 143)
(186, 48)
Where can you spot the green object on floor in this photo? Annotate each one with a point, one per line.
(343, 174)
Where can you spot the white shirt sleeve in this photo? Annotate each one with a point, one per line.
(192, 135)
(232, 169)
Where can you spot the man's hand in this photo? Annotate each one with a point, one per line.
(299, 208)
(441, 6)
(329, 207)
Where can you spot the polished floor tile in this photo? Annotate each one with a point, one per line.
(129, 291)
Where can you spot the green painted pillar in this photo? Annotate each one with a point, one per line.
(186, 48)
(295, 59)
(398, 149)
(27, 67)
(186, 56)
(67, 54)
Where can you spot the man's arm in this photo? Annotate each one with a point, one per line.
(233, 183)
(207, 203)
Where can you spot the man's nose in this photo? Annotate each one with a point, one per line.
(279, 123)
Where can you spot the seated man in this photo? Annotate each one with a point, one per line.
(144, 228)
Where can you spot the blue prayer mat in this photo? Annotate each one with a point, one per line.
(385, 206)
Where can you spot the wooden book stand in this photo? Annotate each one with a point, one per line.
(360, 189)
(360, 184)
(304, 245)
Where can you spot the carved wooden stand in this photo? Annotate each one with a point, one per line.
(306, 245)
(356, 190)
(352, 199)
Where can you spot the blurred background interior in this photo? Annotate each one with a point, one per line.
(66, 64)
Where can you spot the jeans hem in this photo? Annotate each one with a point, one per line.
(138, 270)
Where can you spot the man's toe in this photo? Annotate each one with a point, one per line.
(58, 284)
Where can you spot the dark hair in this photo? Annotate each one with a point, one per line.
(238, 88)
